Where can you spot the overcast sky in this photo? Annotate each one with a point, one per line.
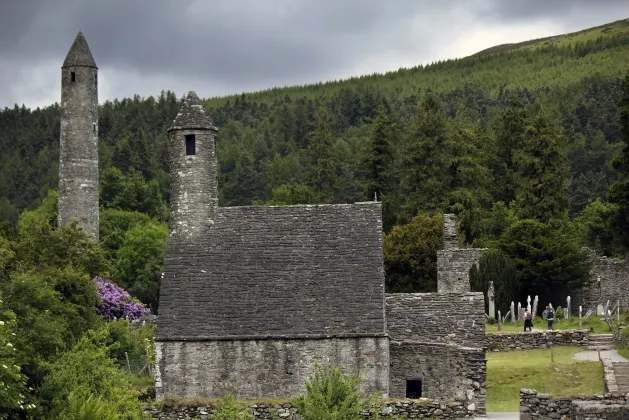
(217, 47)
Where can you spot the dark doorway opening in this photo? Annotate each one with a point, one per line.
(73, 77)
(190, 144)
(413, 388)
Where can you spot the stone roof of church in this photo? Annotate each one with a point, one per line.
(286, 271)
(79, 54)
(192, 115)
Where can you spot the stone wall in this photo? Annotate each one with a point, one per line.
(446, 371)
(437, 318)
(453, 268)
(614, 285)
(534, 405)
(450, 240)
(536, 340)
(422, 408)
(273, 368)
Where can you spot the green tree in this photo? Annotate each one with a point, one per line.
(547, 259)
(410, 255)
(323, 176)
(285, 195)
(596, 230)
(495, 266)
(542, 171)
(379, 155)
(141, 259)
(619, 190)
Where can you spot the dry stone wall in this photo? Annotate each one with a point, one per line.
(422, 408)
(536, 340)
(534, 405)
(614, 284)
(273, 368)
(453, 269)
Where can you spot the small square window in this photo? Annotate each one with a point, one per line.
(190, 144)
(413, 388)
(73, 77)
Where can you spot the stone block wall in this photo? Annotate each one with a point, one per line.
(453, 269)
(423, 408)
(457, 318)
(273, 368)
(536, 340)
(450, 240)
(446, 371)
(534, 405)
(614, 285)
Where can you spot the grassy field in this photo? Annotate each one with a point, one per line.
(594, 324)
(509, 371)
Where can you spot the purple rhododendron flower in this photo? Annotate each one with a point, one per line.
(116, 303)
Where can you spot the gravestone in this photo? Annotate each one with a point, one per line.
(568, 307)
(588, 314)
(513, 316)
(600, 310)
(492, 302)
(519, 311)
(580, 321)
(528, 303)
(535, 305)
(499, 321)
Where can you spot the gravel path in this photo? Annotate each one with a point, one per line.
(612, 355)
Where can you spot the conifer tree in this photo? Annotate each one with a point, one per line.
(323, 177)
(542, 171)
(378, 159)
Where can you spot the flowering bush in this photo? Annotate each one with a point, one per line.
(116, 303)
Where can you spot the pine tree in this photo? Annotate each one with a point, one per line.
(619, 190)
(542, 171)
(323, 177)
(378, 159)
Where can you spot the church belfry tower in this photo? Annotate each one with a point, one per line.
(78, 149)
(192, 159)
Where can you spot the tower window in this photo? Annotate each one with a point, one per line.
(190, 144)
(96, 79)
(73, 77)
(413, 388)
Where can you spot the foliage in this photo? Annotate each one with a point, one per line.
(140, 260)
(495, 266)
(595, 227)
(330, 395)
(546, 258)
(410, 254)
(84, 371)
(115, 303)
(227, 408)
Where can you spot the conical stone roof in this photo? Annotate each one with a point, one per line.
(192, 115)
(79, 54)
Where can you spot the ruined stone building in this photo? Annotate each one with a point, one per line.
(253, 296)
(78, 148)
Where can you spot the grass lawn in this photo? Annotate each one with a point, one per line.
(623, 350)
(594, 323)
(507, 372)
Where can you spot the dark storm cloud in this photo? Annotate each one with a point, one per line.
(233, 45)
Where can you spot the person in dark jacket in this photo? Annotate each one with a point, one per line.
(550, 317)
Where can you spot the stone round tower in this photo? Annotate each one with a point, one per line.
(192, 159)
(78, 158)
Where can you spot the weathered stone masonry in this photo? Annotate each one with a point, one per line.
(438, 338)
(537, 340)
(534, 405)
(78, 157)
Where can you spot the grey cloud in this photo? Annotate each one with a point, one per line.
(235, 45)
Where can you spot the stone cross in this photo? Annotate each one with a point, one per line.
(492, 302)
(580, 312)
(535, 305)
(499, 320)
(568, 307)
(513, 317)
(519, 311)
(528, 303)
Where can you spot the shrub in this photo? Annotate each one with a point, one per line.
(227, 408)
(116, 303)
(559, 312)
(330, 395)
(491, 321)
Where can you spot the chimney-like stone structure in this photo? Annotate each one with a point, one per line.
(192, 158)
(78, 148)
(450, 240)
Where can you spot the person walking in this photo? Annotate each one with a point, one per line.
(528, 318)
(550, 316)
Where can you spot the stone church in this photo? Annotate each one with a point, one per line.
(252, 297)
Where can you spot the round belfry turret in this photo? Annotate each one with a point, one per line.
(78, 148)
(192, 158)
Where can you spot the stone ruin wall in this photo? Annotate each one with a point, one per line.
(454, 263)
(535, 405)
(264, 368)
(536, 339)
(614, 274)
(438, 338)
